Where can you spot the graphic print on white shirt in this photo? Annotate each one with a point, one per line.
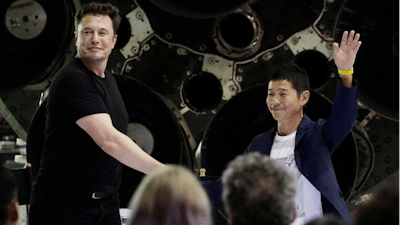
(308, 199)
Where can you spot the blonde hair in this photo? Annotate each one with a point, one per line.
(170, 196)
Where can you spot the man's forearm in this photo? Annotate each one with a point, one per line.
(122, 148)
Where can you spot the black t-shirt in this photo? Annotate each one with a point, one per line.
(72, 165)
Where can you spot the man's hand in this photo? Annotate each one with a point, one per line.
(345, 55)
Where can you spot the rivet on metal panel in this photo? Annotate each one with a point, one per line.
(267, 56)
(211, 60)
(146, 47)
(22, 121)
(329, 45)
(232, 88)
(377, 179)
(203, 47)
(134, 50)
(139, 15)
(129, 66)
(295, 40)
(181, 51)
(388, 139)
(114, 70)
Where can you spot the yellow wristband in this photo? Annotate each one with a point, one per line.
(346, 72)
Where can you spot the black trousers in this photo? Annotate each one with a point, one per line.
(80, 212)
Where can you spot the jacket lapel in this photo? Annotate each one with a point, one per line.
(302, 129)
(268, 141)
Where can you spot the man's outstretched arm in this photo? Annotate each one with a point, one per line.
(345, 106)
(118, 145)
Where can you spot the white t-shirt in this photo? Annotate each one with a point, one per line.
(308, 199)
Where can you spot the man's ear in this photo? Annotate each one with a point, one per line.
(76, 37)
(305, 97)
(114, 40)
(14, 212)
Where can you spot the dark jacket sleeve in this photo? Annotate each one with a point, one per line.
(343, 113)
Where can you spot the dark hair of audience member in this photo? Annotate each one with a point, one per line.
(383, 208)
(8, 197)
(171, 196)
(258, 190)
(327, 220)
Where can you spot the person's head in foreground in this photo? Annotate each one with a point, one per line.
(257, 190)
(383, 208)
(171, 196)
(327, 220)
(8, 198)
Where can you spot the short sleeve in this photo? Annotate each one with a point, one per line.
(77, 96)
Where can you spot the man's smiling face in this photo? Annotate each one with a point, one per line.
(95, 38)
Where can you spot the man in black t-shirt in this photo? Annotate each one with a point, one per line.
(85, 137)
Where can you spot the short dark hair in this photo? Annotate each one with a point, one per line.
(383, 208)
(8, 193)
(296, 75)
(95, 8)
(258, 190)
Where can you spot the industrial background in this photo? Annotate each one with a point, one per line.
(193, 75)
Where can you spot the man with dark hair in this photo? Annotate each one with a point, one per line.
(294, 74)
(85, 137)
(258, 190)
(305, 146)
(8, 198)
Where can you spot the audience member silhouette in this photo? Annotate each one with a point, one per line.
(171, 196)
(258, 190)
(383, 208)
(327, 220)
(8, 198)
